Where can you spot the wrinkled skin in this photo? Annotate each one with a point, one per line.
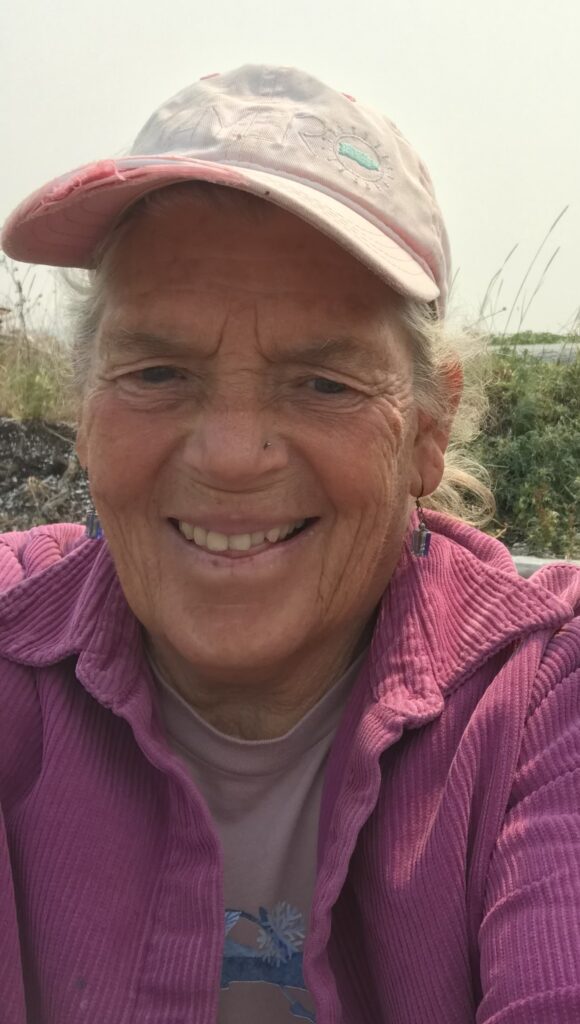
(229, 305)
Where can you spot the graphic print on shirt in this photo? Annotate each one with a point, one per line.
(276, 958)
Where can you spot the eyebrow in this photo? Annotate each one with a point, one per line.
(139, 341)
(347, 350)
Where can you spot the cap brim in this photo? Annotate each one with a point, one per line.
(62, 224)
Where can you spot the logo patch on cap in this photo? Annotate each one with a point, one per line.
(366, 164)
(347, 149)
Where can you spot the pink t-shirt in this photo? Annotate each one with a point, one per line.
(264, 797)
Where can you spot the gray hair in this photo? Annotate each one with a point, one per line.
(464, 492)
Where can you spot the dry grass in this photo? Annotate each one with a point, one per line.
(35, 378)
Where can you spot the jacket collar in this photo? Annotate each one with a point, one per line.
(441, 618)
(444, 615)
(75, 608)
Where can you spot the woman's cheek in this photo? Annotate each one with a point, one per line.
(123, 449)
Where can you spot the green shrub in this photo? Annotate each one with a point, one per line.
(531, 447)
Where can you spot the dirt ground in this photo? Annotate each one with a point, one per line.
(40, 477)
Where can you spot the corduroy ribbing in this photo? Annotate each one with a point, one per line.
(448, 879)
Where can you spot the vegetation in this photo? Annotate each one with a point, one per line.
(34, 378)
(531, 446)
(531, 338)
(35, 374)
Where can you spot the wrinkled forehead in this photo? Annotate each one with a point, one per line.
(187, 267)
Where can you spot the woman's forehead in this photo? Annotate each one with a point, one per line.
(201, 319)
(192, 276)
(185, 244)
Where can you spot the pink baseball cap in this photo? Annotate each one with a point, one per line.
(280, 134)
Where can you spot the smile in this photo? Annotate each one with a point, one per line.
(212, 540)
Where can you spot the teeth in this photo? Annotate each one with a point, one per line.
(214, 541)
(240, 542)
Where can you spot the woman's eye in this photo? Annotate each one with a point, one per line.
(325, 386)
(158, 374)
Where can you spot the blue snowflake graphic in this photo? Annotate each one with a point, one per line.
(277, 957)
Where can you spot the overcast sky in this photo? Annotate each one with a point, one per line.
(488, 91)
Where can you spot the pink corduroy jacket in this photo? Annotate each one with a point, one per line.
(448, 874)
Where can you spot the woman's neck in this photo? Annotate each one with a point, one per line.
(259, 706)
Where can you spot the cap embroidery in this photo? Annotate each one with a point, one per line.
(365, 163)
(345, 149)
(239, 134)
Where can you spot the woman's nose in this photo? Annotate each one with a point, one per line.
(233, 448)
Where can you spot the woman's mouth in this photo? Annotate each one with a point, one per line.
(222, 543)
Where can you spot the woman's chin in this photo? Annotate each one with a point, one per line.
(231, 646)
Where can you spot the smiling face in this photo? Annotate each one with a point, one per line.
(222, 332)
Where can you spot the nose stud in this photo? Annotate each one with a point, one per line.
(267, 444)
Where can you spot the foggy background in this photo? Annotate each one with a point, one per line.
(488, 92)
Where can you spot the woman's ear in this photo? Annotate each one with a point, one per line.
(433, 435)
(452, 382)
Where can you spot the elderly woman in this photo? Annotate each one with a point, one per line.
(276, 743)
